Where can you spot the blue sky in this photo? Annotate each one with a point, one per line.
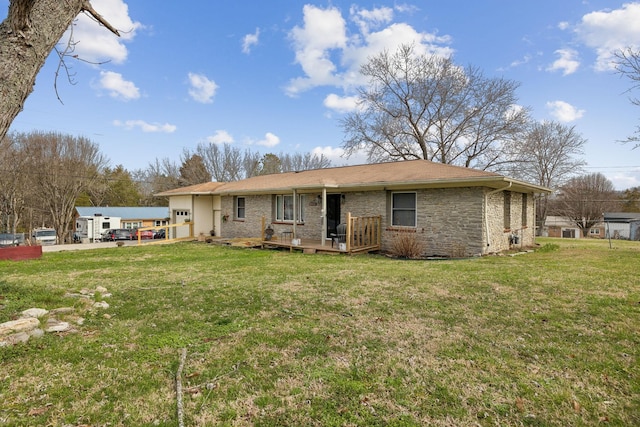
(277, 76)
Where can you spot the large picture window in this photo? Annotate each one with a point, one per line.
(284, 208)
(403, 209)
(240, 207)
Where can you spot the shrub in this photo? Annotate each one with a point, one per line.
(549, 247)
(406, 245)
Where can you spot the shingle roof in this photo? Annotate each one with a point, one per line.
(136, 212)
(411, 173)
(205, 188)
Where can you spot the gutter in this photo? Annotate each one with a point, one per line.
(486, 208)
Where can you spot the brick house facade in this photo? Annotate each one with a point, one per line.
(453, 211)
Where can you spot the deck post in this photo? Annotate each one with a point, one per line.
(323, 236)
(295, 214)
(349, 233)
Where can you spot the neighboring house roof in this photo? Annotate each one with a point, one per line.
(393, 175)
(563, 221)
(137, 212)
(621, 216)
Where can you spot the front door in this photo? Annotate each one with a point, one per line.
(333, 213)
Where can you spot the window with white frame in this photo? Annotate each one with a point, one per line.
(131, 224)
(403, 209)
(284, 207)
(594, 231)
(239, 207)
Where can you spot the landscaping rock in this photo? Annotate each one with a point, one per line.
(101, 289)
(21, 325)
(14, 339)
(55, 325)
(101, 304)
(36, 333)
(35, 313)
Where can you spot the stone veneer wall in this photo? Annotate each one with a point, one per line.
(499, 232)
(451, 221)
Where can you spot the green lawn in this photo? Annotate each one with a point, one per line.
(277, 338)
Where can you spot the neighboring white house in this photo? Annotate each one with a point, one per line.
(622, 225)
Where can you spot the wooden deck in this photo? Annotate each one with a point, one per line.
(315, 246)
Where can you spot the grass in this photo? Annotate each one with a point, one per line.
(274, 338)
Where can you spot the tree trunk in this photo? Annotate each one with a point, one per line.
(27, 36)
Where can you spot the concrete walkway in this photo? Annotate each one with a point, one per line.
(85, 246)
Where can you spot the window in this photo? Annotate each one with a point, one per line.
(106, 225)
(158, 223)
(131, 224)
(507, 210)
(284, 208)
(594, 231)
(239, 207)
(403, 209)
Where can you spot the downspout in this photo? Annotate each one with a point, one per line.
(486, 209)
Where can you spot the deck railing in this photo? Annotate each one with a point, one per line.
(363, 232)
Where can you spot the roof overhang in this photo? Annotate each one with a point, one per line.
(493, 182)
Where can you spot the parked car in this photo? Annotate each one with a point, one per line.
(144, 234)
(117, 234)
(160, 234)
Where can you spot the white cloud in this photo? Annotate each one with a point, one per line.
(330, 57)
(566, 62)
(118, 87)
(221, 137)
(146, 127)
(324, 30)
(95, 43)
(270, 140)
(564, 25)
(341, 104)
(202, 89)
(338, 157)
(250, 40)
(563, 111)
(365, 19)
(608, 31)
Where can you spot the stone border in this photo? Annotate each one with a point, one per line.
(35, 322)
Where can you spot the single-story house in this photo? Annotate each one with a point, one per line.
(452, 211)
(563, 227)
(130, 217)
(622, 225)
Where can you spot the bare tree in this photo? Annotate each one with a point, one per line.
(27, 36)
(584, 200)
(223, 162)
(300, 162)
(426, 107)
(193, 170)
(61, 167)
(160, 175)
(13, 185)
(628, 65)
(548, 155)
